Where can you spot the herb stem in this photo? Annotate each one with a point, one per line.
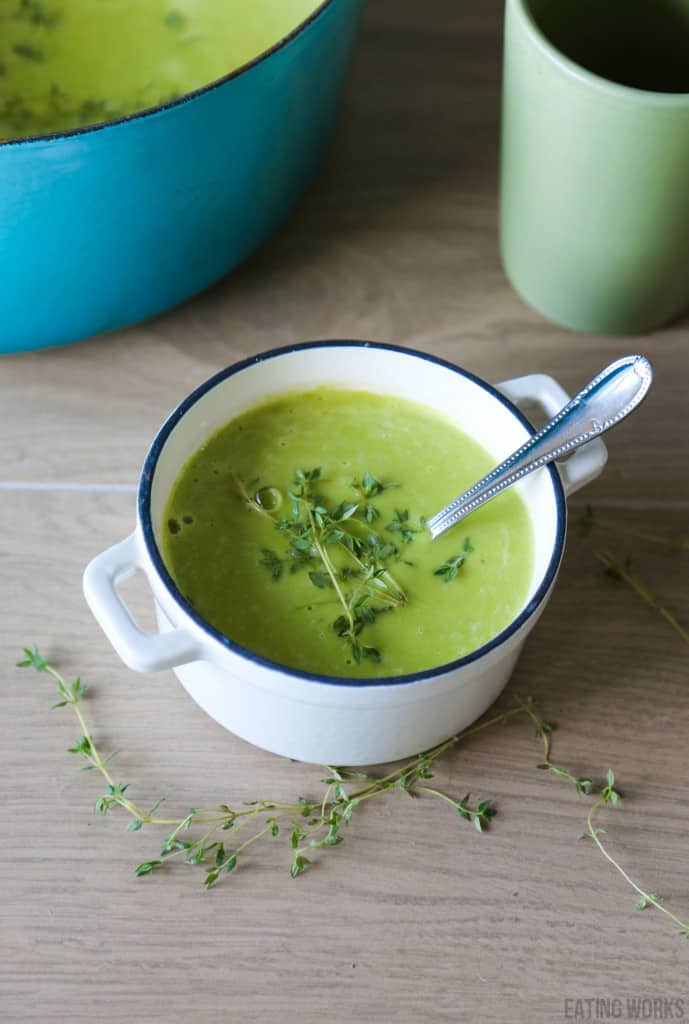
(437, 792)
(221, 818)
(677, 544)
(324, 804)
(325, 558)
(252, 839)
(310, 529)
(615, 568)
(545, 733)
(97, 761)
(249, 501)
(198, 843)
(94, 757)
(594, 833)
(398, 596)
(436, 752)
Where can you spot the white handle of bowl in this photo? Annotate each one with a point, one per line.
(143, 652)
(587, 463)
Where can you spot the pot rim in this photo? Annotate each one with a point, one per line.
(146, 524)
(179, 100)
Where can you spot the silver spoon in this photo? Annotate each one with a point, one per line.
(607, 399)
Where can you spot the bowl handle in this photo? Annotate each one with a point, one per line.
(143, 652)
(587, 463)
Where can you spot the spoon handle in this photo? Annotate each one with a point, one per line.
(607, 399)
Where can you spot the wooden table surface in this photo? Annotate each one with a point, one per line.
(415, 917)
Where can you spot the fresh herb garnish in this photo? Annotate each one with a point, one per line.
(36, 12)
(364, 585)
(175, 19)
(309, 825)
(27, 51)
(402, 524)
(23, 113)
(271, 562)
(606, 794)
(369, 486)
(589, 521)
(449, 569)
(622, 572)
(320, 580)
(370, 513)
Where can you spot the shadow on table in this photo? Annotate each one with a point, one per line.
(421, 112)
(422, 106)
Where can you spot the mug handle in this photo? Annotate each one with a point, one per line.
(143, 652)
(585, 464)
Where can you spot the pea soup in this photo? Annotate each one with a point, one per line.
(297, 530)
(69, 63)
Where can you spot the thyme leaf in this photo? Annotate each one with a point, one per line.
(402, 524)
(450, 568)
(270, 561)
(27, 51)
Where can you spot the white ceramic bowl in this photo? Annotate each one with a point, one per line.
(328, 719)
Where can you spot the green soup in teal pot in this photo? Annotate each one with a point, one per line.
(298, 531)
(69, 63)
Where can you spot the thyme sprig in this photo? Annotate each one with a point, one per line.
(316, 825)
(363, 584)
(590, 520)
(366, 488)
(310, 825)
(606, 795)
(449, 570)
(623, 571)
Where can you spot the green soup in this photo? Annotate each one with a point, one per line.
(69, 63)
(302, 518)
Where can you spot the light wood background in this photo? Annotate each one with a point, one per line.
(414, 916)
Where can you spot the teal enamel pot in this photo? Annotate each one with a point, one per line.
(107, 225)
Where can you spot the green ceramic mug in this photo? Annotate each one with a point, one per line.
(595, 161)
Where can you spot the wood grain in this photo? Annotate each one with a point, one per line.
(414, 916)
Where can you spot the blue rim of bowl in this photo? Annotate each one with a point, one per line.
(145, 519)
(179, 100)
